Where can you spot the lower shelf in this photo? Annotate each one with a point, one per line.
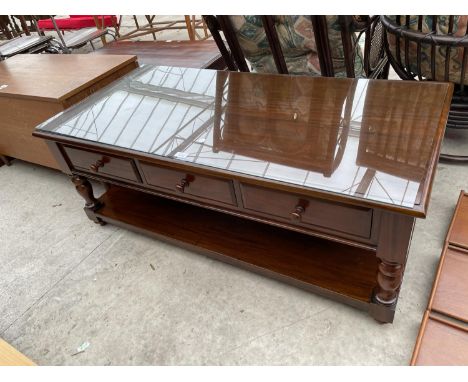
(345, 273)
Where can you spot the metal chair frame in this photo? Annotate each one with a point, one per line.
(66, 47)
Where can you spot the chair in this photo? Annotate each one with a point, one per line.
(9, 28)
(25, 44)
(311, 45)
(24, 28)
(85, 29)
(17, 44)
(432, 48)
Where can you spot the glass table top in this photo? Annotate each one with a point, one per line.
(369, 139)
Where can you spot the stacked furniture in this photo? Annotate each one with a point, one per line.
(84, 30)
(17, 43)
(25, 44)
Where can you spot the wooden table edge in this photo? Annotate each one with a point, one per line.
(9, 356)
(331, 196)
(130, 59)
(429, 181)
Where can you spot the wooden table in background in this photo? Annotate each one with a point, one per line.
(190, 54)
(35, 87)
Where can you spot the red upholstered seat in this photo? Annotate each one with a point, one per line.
(77, 22)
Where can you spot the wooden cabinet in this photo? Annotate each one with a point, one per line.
(35, 87)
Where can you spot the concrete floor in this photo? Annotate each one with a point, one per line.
(65, 281)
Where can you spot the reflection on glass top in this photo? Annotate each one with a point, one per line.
(363, 138)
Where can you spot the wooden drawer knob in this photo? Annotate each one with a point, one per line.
(181, 186)
(95, 167)
(297, 213)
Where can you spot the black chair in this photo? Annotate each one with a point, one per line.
(414, 53)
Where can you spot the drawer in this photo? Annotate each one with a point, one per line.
(103, 164)
(189, 183)
(312, 213)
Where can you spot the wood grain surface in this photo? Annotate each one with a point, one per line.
(37, 87)
(9, 356)
(189, 54)
(458, 234)
(441, 343)
(302, 260)
(443, 335)
(451, 292)
(55, 77)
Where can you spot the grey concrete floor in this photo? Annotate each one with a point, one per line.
(65, 281)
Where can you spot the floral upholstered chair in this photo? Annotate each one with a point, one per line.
(297, 42)
(297, 45)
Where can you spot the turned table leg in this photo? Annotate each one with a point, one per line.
(389, 278)
(394, 239)
(84, 188)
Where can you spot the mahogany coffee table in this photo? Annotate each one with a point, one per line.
(313, 181)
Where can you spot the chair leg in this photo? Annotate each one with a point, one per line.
(136, 22)
(205, 28)
(150, 19)
(188, 24)
(116, 25)
(4, 161)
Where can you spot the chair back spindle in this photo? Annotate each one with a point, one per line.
(233, 43)
(214, 28)
(319, 25)
(273, 40)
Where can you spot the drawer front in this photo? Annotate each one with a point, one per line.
(356, 221)
(189, 183)
(103, 164)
